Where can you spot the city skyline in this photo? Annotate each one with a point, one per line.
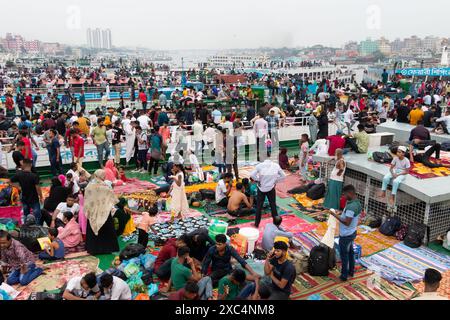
(102, 39)
(238, 24)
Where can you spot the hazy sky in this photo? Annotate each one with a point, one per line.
(213, 24)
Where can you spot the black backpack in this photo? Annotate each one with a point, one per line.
(208, 194)
(132, 250)
(382, 157)
(390, 226)
(316, 192)
(445, 146)
(415, 234)
(321, 259)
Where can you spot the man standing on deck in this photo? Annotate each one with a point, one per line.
(267, 175)
(348, 223)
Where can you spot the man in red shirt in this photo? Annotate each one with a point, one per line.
(26, 152)
(163, 262)
(143, 98)
(336, 141)
(9, 104)
(78, 147)
(29, 103)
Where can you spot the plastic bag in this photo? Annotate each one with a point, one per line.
(147, 261)
(152, 289)
(131, 269)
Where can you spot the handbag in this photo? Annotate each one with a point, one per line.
(155, 154)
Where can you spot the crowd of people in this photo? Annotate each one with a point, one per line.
(193, 264)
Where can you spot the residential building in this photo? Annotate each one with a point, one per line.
(368, 47)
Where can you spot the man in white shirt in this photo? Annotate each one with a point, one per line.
(349, 119)
(323, 96)
(55, 220)
(444, 122)
(104, 102)
(427, 99)
(209, 136)
(82, 287)
(260, 129)
(197, 129)
(114, 288)
(217, 116)
(432, 280)
(223, 190)
(267, 175)
(144, 121)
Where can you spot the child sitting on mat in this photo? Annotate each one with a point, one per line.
(55, 249)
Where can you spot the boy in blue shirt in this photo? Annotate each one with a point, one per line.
(348, 223)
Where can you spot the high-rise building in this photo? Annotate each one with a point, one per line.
(99, 39)
(90, 42)
(106, 39)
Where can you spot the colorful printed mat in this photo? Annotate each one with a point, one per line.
(364, 286)
(166, 216)
(57, 274)
(420, 171)
(444, 287)
(290, 223)
(371, 242)
(401, 263)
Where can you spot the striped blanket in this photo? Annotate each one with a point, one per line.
(364, 286)
(401, 263)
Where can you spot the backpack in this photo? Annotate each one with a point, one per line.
(382, 157)
(390, 226)
(316, 192)
(445, 146)
(375, 222)
(208, 194)
(393, 148)
(321, 259)
(415, 234)
(132, 250)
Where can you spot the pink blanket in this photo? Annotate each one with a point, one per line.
(288, 183)
(291, 223)
(134, 185)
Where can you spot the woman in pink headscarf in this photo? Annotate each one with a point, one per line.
(111, 172)
(63, 179)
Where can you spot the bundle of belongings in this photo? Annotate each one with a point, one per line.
(167, 230)
(133, 265)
